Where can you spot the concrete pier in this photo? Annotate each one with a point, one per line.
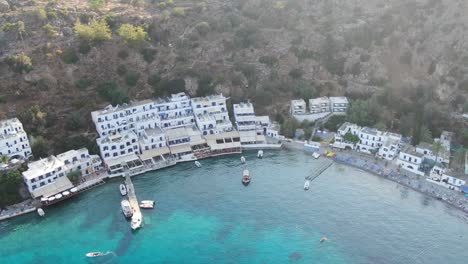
(132, 198)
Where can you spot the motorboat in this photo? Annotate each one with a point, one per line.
(323, 239)
(40, 212)
(306, 185)
(123, 189)
(65, 193)
(94, 254)
(316, 155)
(243, 159)
(136, 223)
(58, 196)
(260, 154)
(126, 208)
(51, 199)
(147, 204)
(198, 164)
(246, 177)
(74, 189)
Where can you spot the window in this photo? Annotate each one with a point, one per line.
(219, 141)
(114, 147)
(106, 155)
(122, 152)
(105, 148)
(115, 154)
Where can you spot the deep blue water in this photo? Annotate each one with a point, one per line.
(206, 215)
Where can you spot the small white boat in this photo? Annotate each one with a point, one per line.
(74, 189)
(94, 254)
(198, 164)
(51, 199)
(246, 177)
(243, 159)
(40, 212)
(58, 196)
(65, 193)
(316, 155)
(123, 189)
(323, 239)
(147, 204)
(306, 185)
(136, 223)
(126, 208)
(44, 199)
(260, 154)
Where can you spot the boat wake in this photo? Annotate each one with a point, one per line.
(103, 257)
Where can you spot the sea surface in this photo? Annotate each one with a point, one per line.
(205, 215)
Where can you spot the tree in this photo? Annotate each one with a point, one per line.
(4, 159)
(96, 31)
(112, 93)
(289, 126)
(359, 112)
(351, 138)
(133, 35)
(9, 185)
(334, 122)
(74, 176)
(40, 148)
(296, 73)
(437, 147)
(425, 135)
(19, 63)
(380, 126)
(178, 11)
(95, 4)
(203, 28)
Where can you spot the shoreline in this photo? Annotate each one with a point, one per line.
(399, 177)
(298, 146)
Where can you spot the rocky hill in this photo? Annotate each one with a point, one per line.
(408, 59)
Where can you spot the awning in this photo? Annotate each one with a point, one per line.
(59, 185)
(248, 136)
(149, 154)
(198, 142)
(120, 160)
(214, 146)
(180, 149)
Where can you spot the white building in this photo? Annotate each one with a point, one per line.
(454, 179)
(13, 139)
(391, 147)
(175, 111)
(211, 114)
(319, 105)
(339, 140)
(298, 107)
(446, 139)
(44, 173)
(118, 145)
(371, 140)
(410, 160)
(152, 138)
(429, 153)
(253, 128)
(339, 105)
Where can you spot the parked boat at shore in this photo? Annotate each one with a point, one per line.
(126, 208)
(40, 212)
(243, 159)
(147, 204)
(316, 155)
(246, 177)
(198, 164)
(136, 223)
(123, 189)
(260, 154)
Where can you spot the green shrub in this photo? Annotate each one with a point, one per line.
(203, 28)
(268, 60)
(40, 14)
(95, 4)
(69, 56)
(148, 54)
(178, 11)
(82, 83)
(134, 35)
(111, 92)
(97, 31)
(121, 70)
(131, 78)
(75, 121)
(9, 27)
(123, 54)
(51, 31)
(84, 47)
(19, 63)
(154, 79)
(296, 73)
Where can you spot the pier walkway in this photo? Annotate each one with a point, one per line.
(132, 198)
(319, 171)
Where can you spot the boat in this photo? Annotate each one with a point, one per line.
(40, 212)
(306, 185)
(74, 189)
(316, 155)
(94, 254)
(243, 159)
(246, 177)
(136, 223)
(58, 196)
(330, 154)
(323, 239)
(65, 193)
(126, 208)
(147, 204)
(198, 164)
(260, 154)
(51, 199)
(123, 189)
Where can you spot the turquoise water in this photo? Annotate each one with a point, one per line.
(206, 215)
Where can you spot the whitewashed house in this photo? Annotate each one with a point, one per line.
(175, 111)
(410, 160)
(454, 179)
(391, 147)
(298, 107)
(339, 105)
(49, 176)
(13, 139)
(118, 145)
(211, 114)
(339, 140)
(370, 140)
(244, 116)
(429, 153)
(446, 139)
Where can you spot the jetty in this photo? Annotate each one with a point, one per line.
(319, 172)
(132, 198)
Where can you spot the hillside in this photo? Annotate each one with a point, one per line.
(407, 60)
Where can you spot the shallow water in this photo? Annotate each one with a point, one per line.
(205, 215)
